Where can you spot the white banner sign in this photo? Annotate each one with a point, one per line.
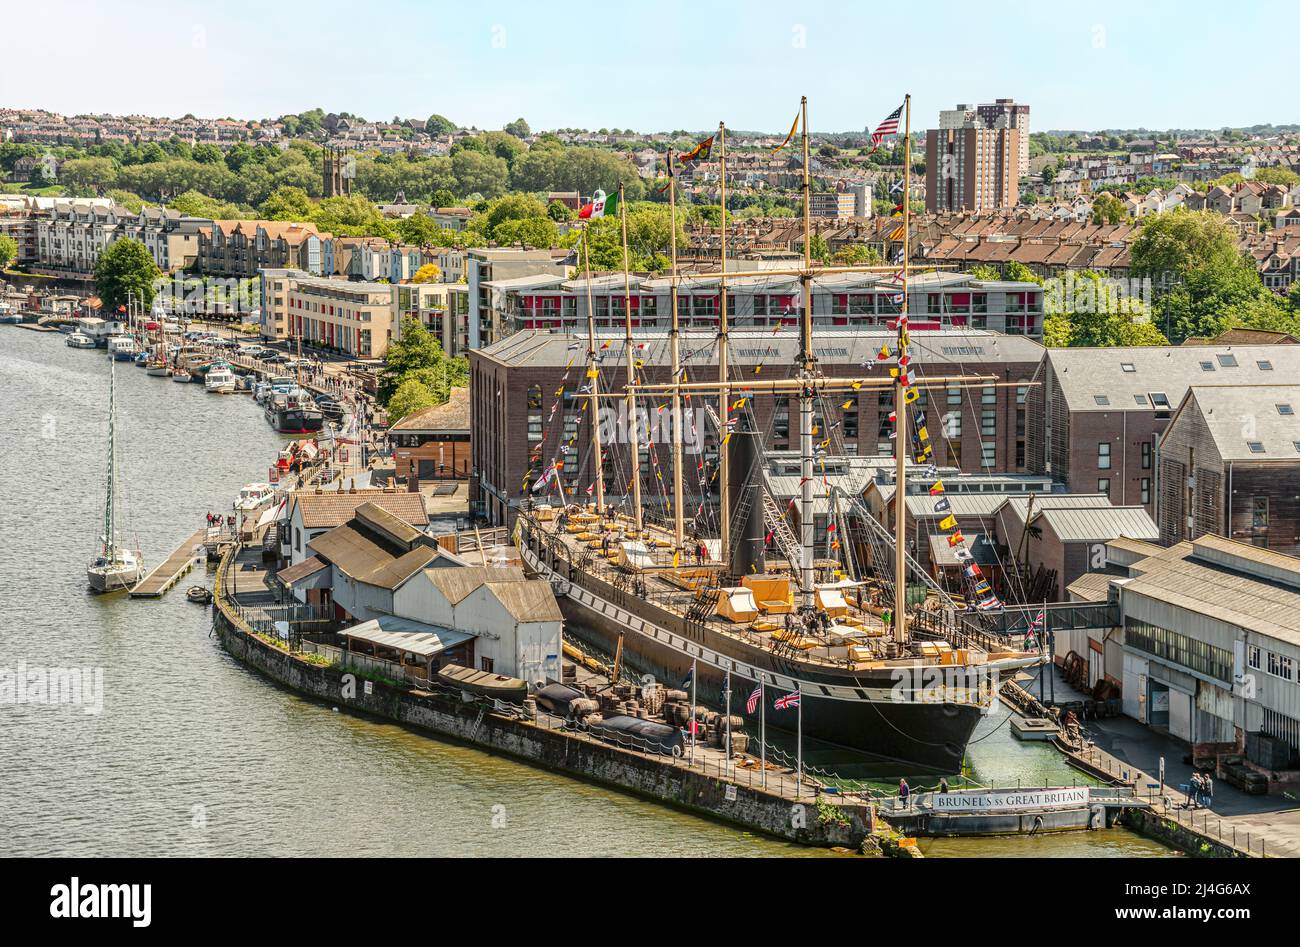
(1009, 800)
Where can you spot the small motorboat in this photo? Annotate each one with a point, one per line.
(219, 380)
(123, 348)
(79, 340)
(142, 360)
(254, 497)
(199, 595)
(182, 376)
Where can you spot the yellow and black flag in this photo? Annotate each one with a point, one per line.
(790, 137)
(700, 152)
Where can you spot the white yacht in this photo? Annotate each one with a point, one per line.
(79, 340)
(114, 566)
(220, 380)
(254, 497)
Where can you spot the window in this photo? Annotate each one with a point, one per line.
(1128, 366)
(1159, 400)
(1207, 366)
(485, 664)
(1285, 410)
(988, 423)
(988, 395)
(1101, 400)
(1228, 361)
(1103, 486)
(1259, 513)
(1146, 490)
(1253, 656)
(1141, 400)
(1256, 447)
(1103, 456)
(988, 455)
(1264, 366)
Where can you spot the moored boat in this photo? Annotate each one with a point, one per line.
(114, 566)
(219, 380)
(79, 341)
(181, 376)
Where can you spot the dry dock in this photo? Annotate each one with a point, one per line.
(164, 575)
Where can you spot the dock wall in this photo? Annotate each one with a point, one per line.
(654, 778)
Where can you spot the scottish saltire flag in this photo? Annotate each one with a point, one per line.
(751, 704)
(788, 701)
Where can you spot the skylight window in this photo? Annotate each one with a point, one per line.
(1128, 366)
(1264, 365)
(1256, 447)
(1159, 399)
(1285, 410)
(1228, 361)
(1101, 400)
(1141, 399)
(1207, 366)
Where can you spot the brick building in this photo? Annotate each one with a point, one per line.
(515, 385)
(1099, 412)
(1230, 464)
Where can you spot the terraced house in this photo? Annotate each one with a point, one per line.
(239, 248)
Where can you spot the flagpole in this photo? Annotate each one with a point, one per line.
(633, 438)
(593, 376)
(693, 715)
(805, 392)
(728, 711)
(900, 408)
(674, 339)
(798, 785)
(762, 729)
(724, 400)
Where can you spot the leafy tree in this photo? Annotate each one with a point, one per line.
(352, 216)
(419, 230)
(208, 153)
(416, 351)
(508, 208)
(1087, 309)
(125, 271)
(537, 232)
(1107, 209)
(1219, 294)
(519, 128)
(1175, 243)
(8, 251)
(411, 395)
(442, 197)
(858, 254)
(88, 174)
(1278, 175)
(559, 212)
(429, 273)
(438, 125)
(476, 171)
(287, 203)
(196, 204)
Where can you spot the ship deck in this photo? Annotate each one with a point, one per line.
(856, 639)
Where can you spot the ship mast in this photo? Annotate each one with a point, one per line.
(806, 378)
(675, 345)
(900, 406)
(724, 400)
(593, 379)
(632, 421)
(108, 545)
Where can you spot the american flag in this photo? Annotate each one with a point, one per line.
(886, 128)
(788, 701)
(752, 703)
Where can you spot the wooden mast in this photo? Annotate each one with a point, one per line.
(806, 376)
(593, 379)
(634, 444)
(900, 405)
(675, 345)
(724, 400)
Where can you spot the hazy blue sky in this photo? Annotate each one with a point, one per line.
(659, 65)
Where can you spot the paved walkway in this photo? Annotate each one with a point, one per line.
(1123, 743)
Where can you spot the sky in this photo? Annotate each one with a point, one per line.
(658, 66)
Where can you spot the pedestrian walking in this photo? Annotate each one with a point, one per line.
(904, 793)
(1207, 785)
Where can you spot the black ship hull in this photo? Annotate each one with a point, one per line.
(297, 420)
(917, 736)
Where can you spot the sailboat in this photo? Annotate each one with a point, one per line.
(115, 566)
(900, 681)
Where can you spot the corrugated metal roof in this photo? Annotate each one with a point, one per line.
(364, 560)
(921, 506)
(1100, 523)
(1019, 506)
(1090, 587)
(335, 507)
(404, 634)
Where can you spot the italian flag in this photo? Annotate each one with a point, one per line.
(600, 206)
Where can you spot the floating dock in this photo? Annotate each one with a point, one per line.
(164, 575)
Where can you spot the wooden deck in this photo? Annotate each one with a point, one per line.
(164, 575)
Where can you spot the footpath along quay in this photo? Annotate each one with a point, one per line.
(245, 616)
(164, 575)
(1123, 753)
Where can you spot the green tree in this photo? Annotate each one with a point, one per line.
(439, 125)
(1107, 209)
(8, 251)
(559, 212)
(419, 230)
(416, 350)
(1171, 245)
(519, 128)
(287, 203)
(477, 172)
(125, 271)
(411, 396)
(537, 232)
(858, 254)
(1087, 309)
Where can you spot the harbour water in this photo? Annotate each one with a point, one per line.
(192, 754)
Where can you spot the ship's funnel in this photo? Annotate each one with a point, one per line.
(745, 483)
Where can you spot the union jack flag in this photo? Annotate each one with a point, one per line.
(751, 704)
(886, 128)
(1037, 623)
(788, 701)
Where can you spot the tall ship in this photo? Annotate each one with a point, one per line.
(115, 566)
(875, 658)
